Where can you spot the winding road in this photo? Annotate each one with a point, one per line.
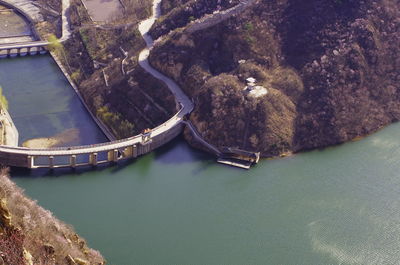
(122, 149)
(144, 28)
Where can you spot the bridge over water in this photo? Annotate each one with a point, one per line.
(92, 155)
(30, 48)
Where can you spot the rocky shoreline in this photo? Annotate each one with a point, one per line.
(31, 235)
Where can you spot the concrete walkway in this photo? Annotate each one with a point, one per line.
(33, 13)
(144, 28)
(201, 140)
(28, 8)
(66, 29)
(12, 39)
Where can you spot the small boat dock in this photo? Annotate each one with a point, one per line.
(238, 158)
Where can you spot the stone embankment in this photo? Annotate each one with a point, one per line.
(218, 17)
(100, 124)
(196, 134)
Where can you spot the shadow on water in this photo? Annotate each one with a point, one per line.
(173, 153)
(180, 153)
(59, 172)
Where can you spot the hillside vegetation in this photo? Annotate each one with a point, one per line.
(331, 69)
(103, 61)
(31, 235)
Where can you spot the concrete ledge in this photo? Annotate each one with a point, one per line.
(24, 14)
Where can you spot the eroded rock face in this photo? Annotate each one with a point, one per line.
(5, 216)
(334, 67)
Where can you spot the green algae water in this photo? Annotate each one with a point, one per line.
(177, 206)
(43, 104)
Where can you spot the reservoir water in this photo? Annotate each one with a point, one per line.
(43, 104)
(177, 206)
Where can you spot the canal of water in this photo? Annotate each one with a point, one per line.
(43, 104)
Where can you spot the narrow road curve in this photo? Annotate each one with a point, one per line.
(144, 28)
(66, 30)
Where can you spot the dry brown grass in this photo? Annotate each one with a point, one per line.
(46, 238)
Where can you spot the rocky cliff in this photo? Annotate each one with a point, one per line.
(331, 69)
(31, 235)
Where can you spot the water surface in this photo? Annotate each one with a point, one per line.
(176, 206)
(43, 104)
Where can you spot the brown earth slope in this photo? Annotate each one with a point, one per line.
(331, 68)
(31, 235)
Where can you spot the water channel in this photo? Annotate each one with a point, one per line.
(43, 104)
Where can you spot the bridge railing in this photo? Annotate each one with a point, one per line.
(176, 119)
(21, 45)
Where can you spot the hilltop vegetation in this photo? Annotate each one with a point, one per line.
(331, 69)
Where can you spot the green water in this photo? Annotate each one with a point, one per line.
(43, 104)
(177, 206)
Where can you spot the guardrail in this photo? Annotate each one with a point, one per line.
(112, 151)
